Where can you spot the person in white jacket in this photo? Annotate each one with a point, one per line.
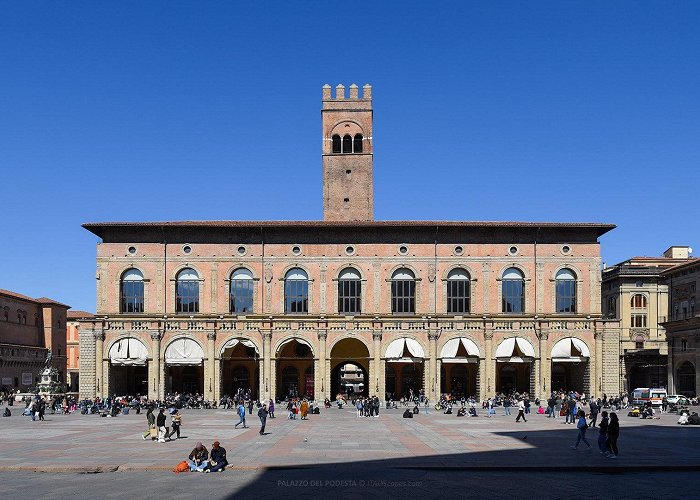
(521, 411)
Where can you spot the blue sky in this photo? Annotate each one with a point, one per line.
(560, 111)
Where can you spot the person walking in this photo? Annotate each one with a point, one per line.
(506, 407)
(151, 419)
(521, 411)
(603, 434)
(262, 414)
(271, 409)
(241, 415)
(581, 425)
(594, 412)
(613, 434)
(175, 422)
(160, 423)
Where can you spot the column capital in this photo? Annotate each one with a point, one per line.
(377, 335)
(598, 334)
(267, 334)
(98, 334)
(543, 335)
(488, 334)
(156, 335)
(322, 334)
(433, 335)
(211, 335)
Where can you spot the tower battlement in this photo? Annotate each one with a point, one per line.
(340, 94)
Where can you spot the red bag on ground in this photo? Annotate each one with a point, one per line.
(181, 467)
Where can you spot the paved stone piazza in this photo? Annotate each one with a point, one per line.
(337, 455)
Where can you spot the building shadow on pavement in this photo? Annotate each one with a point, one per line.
(531, 460)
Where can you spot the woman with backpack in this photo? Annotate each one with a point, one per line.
(581, 425)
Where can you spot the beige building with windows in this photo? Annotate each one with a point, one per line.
(636, 293)
(284, 308)
(683, 328)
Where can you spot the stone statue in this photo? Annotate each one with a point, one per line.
(47, 362)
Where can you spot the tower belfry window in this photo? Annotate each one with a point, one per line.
(357, 146)
(336, 143)
(347, 144)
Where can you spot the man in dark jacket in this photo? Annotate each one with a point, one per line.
(262, 413)
(217, 460)
(594, 412)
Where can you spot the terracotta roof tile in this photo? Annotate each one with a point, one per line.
(79, 314)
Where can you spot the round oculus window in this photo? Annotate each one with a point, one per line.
(403, 249)
(132, 250)
(241, 250)
(187, 249)
(350, 250)
(296, 250)
(459, 250)
(513, 250)
(566, 249)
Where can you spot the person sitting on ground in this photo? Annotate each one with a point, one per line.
(694, 419)
(462, 411)
(448, 410)
(683, 419)
(7, 412)
(217, 460)
(198, 458)
(472, 411)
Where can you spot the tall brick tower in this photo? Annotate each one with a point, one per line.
(347, 154)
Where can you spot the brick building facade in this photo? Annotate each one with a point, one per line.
(286, 307)
(29, 329)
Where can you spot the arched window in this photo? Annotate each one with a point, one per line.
(458, 291)
(241, 297)
(638, 318)
(565, 288)
(296, 292)
(357, 144)
(349, 291)
(513, 291)
(347, 143)
(187, 291)
(403, 292)
(132, 291)
(638, 301)
(336, 144)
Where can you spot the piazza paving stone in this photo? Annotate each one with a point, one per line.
(433, 441)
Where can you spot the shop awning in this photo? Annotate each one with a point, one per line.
(231, 344)
(404, 349)
(515, 350)
(184, 352)
(128, 351)
(570, 350)
(460, 350)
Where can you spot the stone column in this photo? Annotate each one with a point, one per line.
(154, 368)
(217, 378)
(697, 362)
(374, 381)
(99, 354)
(544, 381)
(321, 386)
(490, 364)
(209, 366)
(382, 380)
(433, 336)
(273, 379)
(597, 365)
(267, 340)
(261, 379)
(438, 381)
(482, 378)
